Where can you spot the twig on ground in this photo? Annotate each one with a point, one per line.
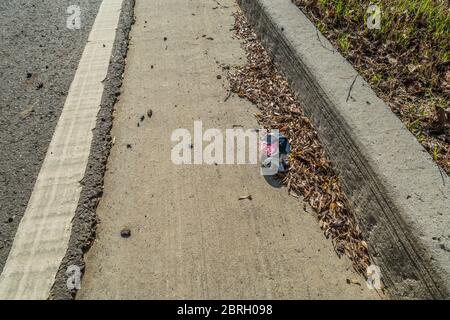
(351, 88)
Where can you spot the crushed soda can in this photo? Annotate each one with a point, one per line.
(274, 153)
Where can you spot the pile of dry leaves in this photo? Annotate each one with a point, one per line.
(406, 62)
(310, 174)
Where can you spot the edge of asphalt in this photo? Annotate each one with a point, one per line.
(398, 194)
(85, 220)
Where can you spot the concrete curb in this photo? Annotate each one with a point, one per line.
(397, 193)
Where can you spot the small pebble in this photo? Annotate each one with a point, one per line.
(125, 233)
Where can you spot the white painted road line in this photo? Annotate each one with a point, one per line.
(42, 237)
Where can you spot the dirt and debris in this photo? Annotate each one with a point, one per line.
(353, 281)
(249, 197)
(310, 174)
(149, 113)
(25, 113)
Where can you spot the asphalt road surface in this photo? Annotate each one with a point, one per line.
(39, 57)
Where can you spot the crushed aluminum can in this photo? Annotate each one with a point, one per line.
(274, 152)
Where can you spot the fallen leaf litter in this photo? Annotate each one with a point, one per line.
(310, 173)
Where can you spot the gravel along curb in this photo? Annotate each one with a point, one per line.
(398, 194)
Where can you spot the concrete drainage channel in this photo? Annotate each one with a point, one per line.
(396, 191)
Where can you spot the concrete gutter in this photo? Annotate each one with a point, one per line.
(397, 193)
